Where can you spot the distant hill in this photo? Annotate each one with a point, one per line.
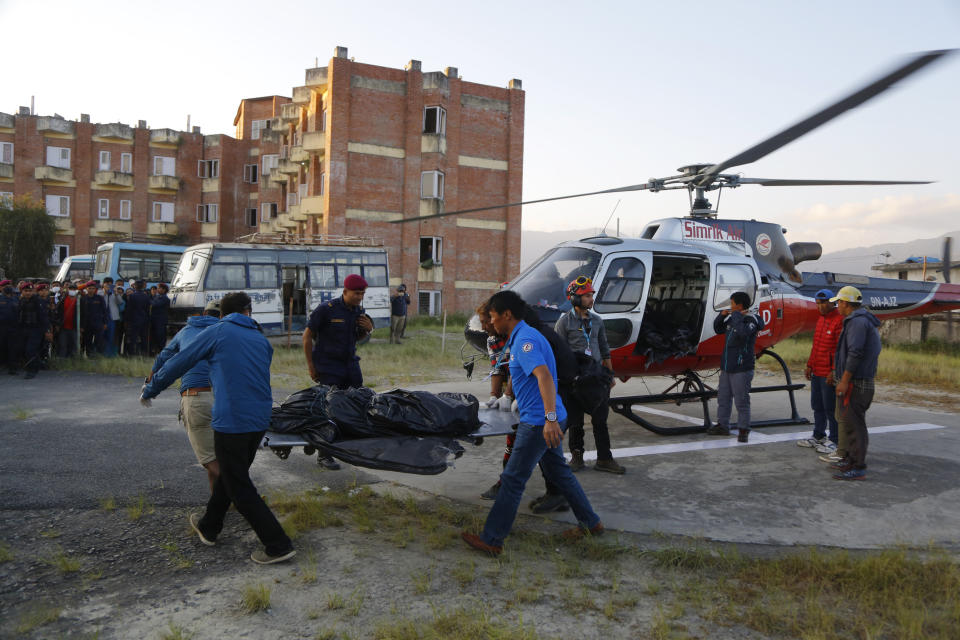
(534, 244)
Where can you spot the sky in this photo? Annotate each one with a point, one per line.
(616, 92)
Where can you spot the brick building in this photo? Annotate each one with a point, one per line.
(357, 147)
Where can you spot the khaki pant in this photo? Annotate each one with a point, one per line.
(397, 325)
(195, 412)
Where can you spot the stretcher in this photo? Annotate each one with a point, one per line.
(492, 423)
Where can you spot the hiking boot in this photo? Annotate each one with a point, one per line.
(491, 493)
(610, 466)
(851, 474)
(811, 443)
(549, 502)
(328, 463)
(195, 525)
(477, 543)
(826, 447)
(718, 430)
(579, 532)
(260, 556)
(743, 435)
(831, 457)
(576, 461)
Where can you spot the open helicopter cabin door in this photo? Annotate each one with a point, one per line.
(621, 286)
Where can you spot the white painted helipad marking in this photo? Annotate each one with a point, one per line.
(755, 438)
(667, 414)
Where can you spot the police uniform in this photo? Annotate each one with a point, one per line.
(9, 319)
(137, 318)
(93, 317)
(159, 308)
(335, 332)
(34, 323)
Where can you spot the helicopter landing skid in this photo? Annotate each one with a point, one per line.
(693, 388)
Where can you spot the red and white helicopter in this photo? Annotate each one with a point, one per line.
(659, 293)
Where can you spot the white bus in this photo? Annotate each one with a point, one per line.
(285, 282)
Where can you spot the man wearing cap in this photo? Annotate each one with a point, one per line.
(65, 321)
(855, 364)
(819, 371)
(330, 341)
(196, 392)
(9, 319)
(137, 318)
(398, 313)
(34, 323)
(93, 319)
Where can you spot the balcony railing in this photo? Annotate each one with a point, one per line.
(315, 141)
(113, 178)
(124, 227)
(289, 112)
(56, 125)
(53, 174)
(164, 229)
(7, 121)
(312, 205)
(6, 170)
(165, 136)
(164, 183)
(114, 130)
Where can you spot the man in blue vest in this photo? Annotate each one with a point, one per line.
(239, 357)
(330, 343)
(533, 370)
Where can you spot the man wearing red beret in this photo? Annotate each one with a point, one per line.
(330, 342)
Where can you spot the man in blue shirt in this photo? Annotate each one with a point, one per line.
(533, 370)
(239, 357)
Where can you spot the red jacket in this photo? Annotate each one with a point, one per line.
(825, 338)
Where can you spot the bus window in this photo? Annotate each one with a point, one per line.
(293, 257)
(227, 276)
(375, 275)
(103, 261)
(344, 270)
(323, 276)
(372, 258)
(129, 266)
(348, 257)
(230, 255)
(152, 268)
(259, 256)
(170, 267)
(262, 276)
(194, 263)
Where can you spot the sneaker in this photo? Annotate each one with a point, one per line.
(718, 430)
(851, 474)
(491, 493)
(328, 463)
(195, 525)
(576, 461)
(477, 543)
(579, 532)
(743, 435)
(840, 465)
(831, 457)
(826, 447)
(610, 466)
(811, 443)
(260, 556)
(548, 503)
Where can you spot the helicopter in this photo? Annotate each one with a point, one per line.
(659, 293)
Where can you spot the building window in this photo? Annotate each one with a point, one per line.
(323, 180)
(293, 199)
(126, 163)
(207, 212)
(103, 210)
(104, 161)
(162, 212)
(125, 209)
(250, 173)
(6, 198)
(431, 251)
(251, 217)
(435, 120)
(58, 206)
(6, 152)
(323, 120)
(60, 253)
(58, 157)
(163, 166)
(268, 211)
(256, 126)
(901, 275)
(208, 168)
(428, 303)
(270, 162)
(431, 185)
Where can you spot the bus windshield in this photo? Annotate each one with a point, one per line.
(191, 268)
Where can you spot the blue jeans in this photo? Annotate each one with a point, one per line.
(823, 401)
(109, 348)
(734, 388)
(529, 449)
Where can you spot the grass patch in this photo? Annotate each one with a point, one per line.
(19, 413)
(139, 507)
(176, 632)
(179, 560)
(131, 367)
(6, 553)
(108, 503)
(255, 598)
(37, 617)
(463, 624)
(50, 534)
(63, 562)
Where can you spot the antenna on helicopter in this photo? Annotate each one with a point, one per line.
(603, 231)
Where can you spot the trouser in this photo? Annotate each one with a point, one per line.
(852, 415)
(552, 489)
(137, 338)
(66, 343)
(598, 419)
(397, 326)
(351, 378)
(7, 341)
(195, 413)
(108, 347)
(158, 336)
(32, 339)
(823, 401)
(235, 453)
(529, 450)
(734, 388)
(93, 340)
(118, 338)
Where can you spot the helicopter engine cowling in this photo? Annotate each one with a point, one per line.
(803, 251)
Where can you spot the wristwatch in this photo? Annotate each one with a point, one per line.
(551, 416)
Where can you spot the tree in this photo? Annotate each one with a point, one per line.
(26, 238)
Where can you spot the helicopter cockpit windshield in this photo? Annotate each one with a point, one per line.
(545, 283)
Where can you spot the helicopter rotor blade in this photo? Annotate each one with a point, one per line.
(823, 116)
(634, 187)
(778, 182)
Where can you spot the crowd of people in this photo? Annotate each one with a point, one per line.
(39, 320)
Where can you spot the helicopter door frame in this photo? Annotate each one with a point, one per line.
(710, 313)
(645, 258)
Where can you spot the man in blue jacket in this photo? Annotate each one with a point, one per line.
(855, 366)
(740, 329)
(196, 392)
(239, 357)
